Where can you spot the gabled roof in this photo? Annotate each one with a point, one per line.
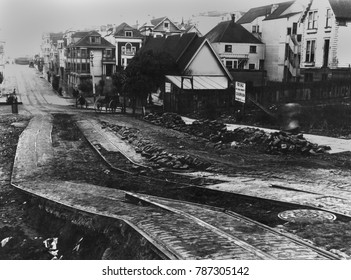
(85, 41)
(182, 48)
(54, 37)
(341, 9)
(187, 28)
(254, 13)
(120, 31)
(80, 34)
(174, 45)
(158, 21)
(277, 13)
(231, 32)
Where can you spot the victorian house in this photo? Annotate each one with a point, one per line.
(89, 56)
(277, 26)
(240, 51)
(282, 33)
(128, 41)
(326, 40)
(160, 27)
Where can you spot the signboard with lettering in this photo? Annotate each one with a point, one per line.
(240, 92)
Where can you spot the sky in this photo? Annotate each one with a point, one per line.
(22, 22)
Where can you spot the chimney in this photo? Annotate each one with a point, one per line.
(233, 17)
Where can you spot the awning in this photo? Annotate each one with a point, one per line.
(199, 82)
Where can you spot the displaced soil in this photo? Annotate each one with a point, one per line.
(83, 164)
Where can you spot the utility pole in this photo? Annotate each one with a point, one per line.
(92, 72)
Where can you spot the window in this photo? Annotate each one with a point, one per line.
(83, 53)
(95, 40)
(231, 64)
(129, 34)
(294, 28)
(251, 66)
(261, 65)
(253, 49)
(166, 25)
(310, 50)
(128, 47)
(108, 53)
(228, 48)
(328, 19)
(255, 29)
(312, 20)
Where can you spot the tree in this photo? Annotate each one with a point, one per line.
(119, 79)
(101, 86)
(85, 86)
(146, 72)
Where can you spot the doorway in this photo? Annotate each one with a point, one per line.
(326, 52)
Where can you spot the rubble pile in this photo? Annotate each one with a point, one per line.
(168, 120)
(206, 129)
(158, 155)
(217, 133)
(279, 142)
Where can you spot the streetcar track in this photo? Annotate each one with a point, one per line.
(185, 208)
(202, 212)
(245, 246)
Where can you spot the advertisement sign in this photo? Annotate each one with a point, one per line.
(240, 92)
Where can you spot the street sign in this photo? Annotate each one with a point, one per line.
(240, 92)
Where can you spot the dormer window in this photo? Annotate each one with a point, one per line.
(255, 29)
(95, 40)
(129, 33)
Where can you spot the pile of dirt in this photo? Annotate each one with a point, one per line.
(279, 142)
(168, 120)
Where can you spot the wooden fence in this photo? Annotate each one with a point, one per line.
(326, 92)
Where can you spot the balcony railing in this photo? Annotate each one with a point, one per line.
(234, 55)
(128, 52)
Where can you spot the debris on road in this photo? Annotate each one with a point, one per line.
(279, 142)
(157, 154)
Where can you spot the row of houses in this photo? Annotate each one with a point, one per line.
(301, 41)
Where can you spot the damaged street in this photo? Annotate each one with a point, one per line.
(81, 184)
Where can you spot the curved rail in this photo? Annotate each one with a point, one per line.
(266, 242)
